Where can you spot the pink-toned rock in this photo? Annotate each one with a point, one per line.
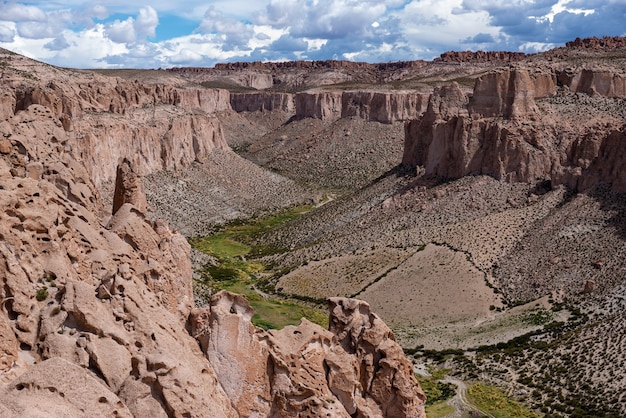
(58, 388)
(488, 135)
(384, 107)
(5, 146)
(8, 343)
(262, 101)
(319, 105)
(594, 82)
(356, 368)
(239, 358)
(128, 188)
(510, 93)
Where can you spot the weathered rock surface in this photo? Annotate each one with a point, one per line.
(595, 82)
(510, 93)
(356, 367)
(511, 128)
(384, 107)
(128, 189)
(318, 105)
(262, 101)
(377, 106)
(479, 56)
(106, 119)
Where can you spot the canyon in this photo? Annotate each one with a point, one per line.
(458, 205)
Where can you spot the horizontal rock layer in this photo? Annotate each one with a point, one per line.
(384, 107)
(104, 119)
(500, 131)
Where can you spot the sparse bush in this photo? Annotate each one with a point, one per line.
(42, 294)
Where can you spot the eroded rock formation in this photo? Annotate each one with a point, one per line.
(106, 119)
(262, 101)
(319, 105)
(377, 106)
(384, 107)
(356, 367)
(517, 126)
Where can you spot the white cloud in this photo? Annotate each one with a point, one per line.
(122, 31)
(7, 34)
(146, 22)
(131, 30)
(71, 32)
(17, 12)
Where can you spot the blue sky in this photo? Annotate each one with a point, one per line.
(161, 34)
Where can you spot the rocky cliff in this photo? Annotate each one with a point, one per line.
(377, 106)
(384, 107)
(262, 101)
(104, 119)
(517, 126)
(96, 302)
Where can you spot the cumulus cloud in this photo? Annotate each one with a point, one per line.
(7, 34)
(58, 44)
(76, 33)
(17, 12)
(122, 31)
(234, 34)
(132, 30)
(146, 23)
(327, 19)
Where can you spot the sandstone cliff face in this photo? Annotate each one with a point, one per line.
(104, 119)
(319, 105)
(99, 306)
(594, 82)
(355, 368)
(510, 93)
(383, 107)
(501, 131)
(262, 101)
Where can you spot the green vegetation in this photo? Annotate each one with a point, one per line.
(440, 409)
(492, 400)
(233, 272)
(42, 294)
(240, 238)
(437, 393)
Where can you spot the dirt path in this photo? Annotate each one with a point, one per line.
(460, 401)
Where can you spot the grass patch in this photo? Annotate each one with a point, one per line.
(492, 400)
(440, 409)
(435, 390)
(241, 238)
(235, 273)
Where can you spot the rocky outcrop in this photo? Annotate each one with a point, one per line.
(594, 82)
(479, 56)
(318, 105)
(500, 132)
(128, 189)
(384, 107)
(510, 93)
(105, 119)
(355, 368)
(262, 101)
(606, 42)
(110, 300)
(95, 304)
(377, 106)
